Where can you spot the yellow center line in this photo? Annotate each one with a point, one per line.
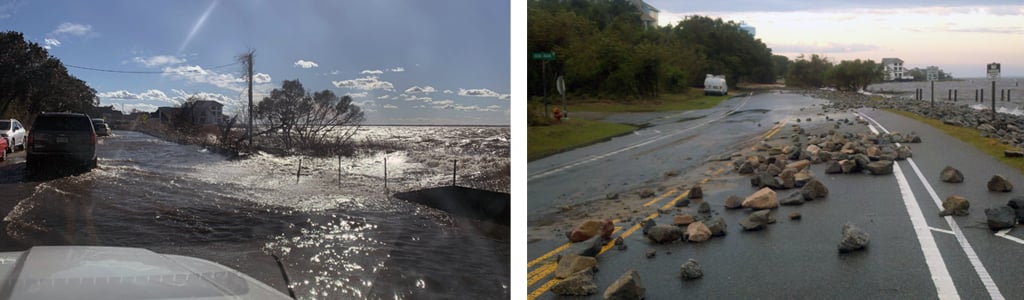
(673, 202)
(656, 199)
(544, 288)
(548, 268)
(719, 172)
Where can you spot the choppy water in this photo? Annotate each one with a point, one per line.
(338, 238)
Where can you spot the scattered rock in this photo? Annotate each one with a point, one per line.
(619, 241)
(612, 196)
(998, 183)
(579, 284)
(733, 201)
(627, 287)
(682, 220)
(814, 189)
(683, 202)
(1000, 217)
(696, 193)
(650, 253)
(716, 226)
(697, 232)
(854, 239)
(587, 248)
(881, 167)
(764, 198)
(664, 233)
(952, 175)
(833, 167)
(955, 206)
(799, 165)
(704, 207)
(647, 225)
(591, 228)
(794, 215)
(794, 198)
(691, 270)
(802, 178)
(671, 173)
(646, 193)
(848, 166)
(746, 168)
(1017, 204)
(788, 178)
(757, 220)
(572, 263)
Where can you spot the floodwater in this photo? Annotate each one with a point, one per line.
(338, 237)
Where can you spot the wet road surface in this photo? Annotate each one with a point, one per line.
(798, 258)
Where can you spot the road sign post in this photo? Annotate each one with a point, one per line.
(543, 57)
(560, 85)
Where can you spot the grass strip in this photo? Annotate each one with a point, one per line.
(570, 134)
(971, 136)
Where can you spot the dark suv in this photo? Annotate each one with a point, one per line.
(61, 137)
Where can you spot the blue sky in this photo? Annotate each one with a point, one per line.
(404, 62)
(959, 36)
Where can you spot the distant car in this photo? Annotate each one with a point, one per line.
(101, 127)
(61, 137)
(13, 134)
(715, 85)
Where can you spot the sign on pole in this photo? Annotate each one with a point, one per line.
(933, 73)
(560, 85)
(993, 71)
(543, 55)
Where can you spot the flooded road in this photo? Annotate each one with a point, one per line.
(338, 237)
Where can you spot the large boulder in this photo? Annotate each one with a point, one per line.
(757, 220)
(682, 220)
(952, 175)
(833, 167)
(572, 263)
(881, 167)
(1017, 203)
(627, 287)
(746, 168)
(1000, 217)
(788, 178)
(794, 198)
(764, 198)
(814, 189)
(664, 233)
(998, 183)
(697, 232)
(716, 226)
(955, 206)
(848, 166)
(802, 177)
(854, 239)
(577, 284)
(691, 270)
(591, 228)
(799, 165)
(587, 248)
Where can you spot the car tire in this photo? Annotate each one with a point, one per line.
(10, 146)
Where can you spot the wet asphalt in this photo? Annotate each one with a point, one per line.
(799, 258)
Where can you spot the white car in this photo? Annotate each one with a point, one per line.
(14, 132)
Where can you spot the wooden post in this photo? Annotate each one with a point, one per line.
(993, 101)
(932, 93)
(299, 171)
(339, 169)
(954, 95)
(949, 94)
(1002, 95)
(455, 168)
(385, 175)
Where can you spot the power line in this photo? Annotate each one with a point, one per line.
(149, 72)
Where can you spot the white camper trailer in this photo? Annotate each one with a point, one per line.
(715, 85)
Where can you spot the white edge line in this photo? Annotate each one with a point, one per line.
(950, 232)
(979, 267)
(944, 286)
(1005, 234)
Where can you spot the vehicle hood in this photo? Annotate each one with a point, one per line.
(86, 272)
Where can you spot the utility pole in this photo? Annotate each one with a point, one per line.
(248, 63)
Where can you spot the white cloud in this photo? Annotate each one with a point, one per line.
(159, 60)
(335, 72)
(358, 95)
(416, 89)
(73, 29)
(365, 103)
(370, 110)
(384, 97)
(49, 42)
(407, 97)
(182, 96)
(305, 64)
(128, 107)
(388, 106)
(156, 95)
(448, 91)
(366, 83)
(397, 69)
(444, 102)
(197, 74)
(482, 93)
(119, 94)
(261, 78)
(372, 72)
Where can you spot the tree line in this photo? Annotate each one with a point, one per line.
(603, 50)
(32, 81)
(818, 71)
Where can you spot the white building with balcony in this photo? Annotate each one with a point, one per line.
(893, 69)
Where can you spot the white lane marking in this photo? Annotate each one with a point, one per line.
(594, 158)
(950, 232)
(944, 286)
(979, 268)
(1005, 234)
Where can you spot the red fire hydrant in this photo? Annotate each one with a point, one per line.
(558, 114)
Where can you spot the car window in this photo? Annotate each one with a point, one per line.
(62, 123)
(5, 125)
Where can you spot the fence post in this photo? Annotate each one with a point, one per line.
(385, 174)
(455, 168)
(299, 171)
(339, 169)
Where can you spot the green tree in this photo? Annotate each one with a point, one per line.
(32, 81)
(304, 120)
(804, 72)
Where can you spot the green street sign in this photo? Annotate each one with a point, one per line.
(543, 55)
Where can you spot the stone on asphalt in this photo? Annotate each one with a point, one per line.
(696, 193)
(697, 232)
(682, 220)
(716, 226)
(998, 183)
(1000, 217)
(794, 198)
(587, 248)
(757, 220)
(691, 270)
(733, 201)
(764, 198)
(572, 263)
(952, 175)
(794, 215)
(799, 165)
(650, 252)
(683, 202)
(833, 167)
(854, 238)
(704, 207)
(1017, 203)
(848, 166)
(814, 189)
(881, 167)
(955, 206)
(627, 287)
(590, 228)
(578, 284)
(664, 233)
